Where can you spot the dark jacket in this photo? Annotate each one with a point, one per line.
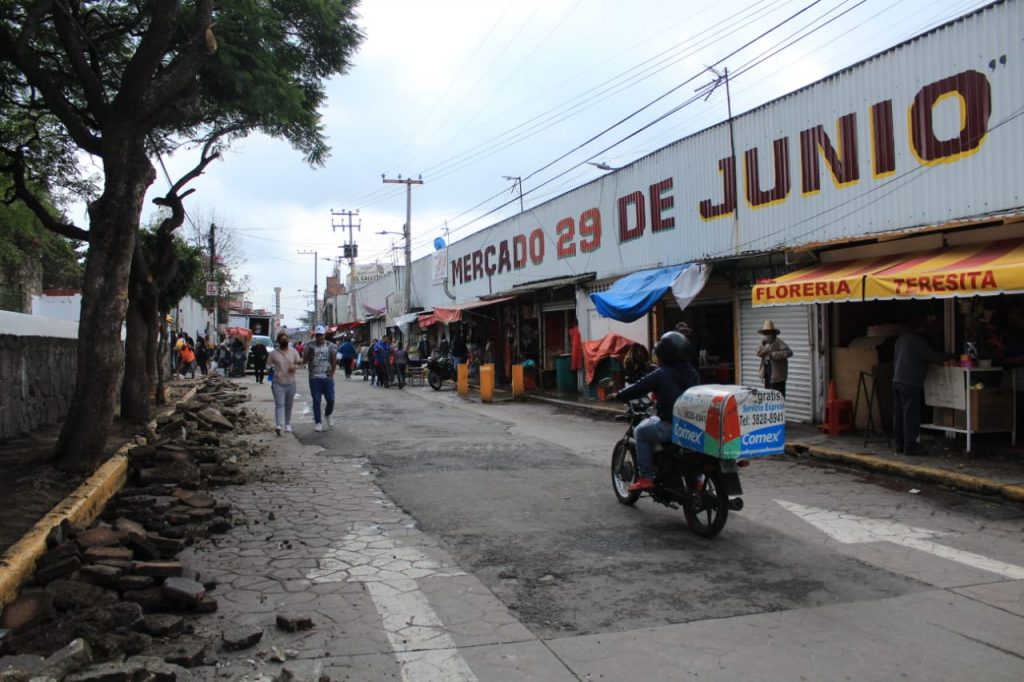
(667, 383)
(912, 357)
(259, 356)
(459, 348)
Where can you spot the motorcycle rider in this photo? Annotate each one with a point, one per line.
(674, 375)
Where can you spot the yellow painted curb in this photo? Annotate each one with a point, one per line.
(954, 479)
(81, 508)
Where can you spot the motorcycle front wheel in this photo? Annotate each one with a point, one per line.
(624, 471)
(435, 381)
(707, 510)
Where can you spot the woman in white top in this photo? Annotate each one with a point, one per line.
(283, 362)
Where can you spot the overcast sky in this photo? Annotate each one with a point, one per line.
(464, 92)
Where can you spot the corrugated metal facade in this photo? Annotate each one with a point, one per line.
(928, 132)
(797, 325)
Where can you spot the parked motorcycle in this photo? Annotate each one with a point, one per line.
(705, 487)
(439, 370)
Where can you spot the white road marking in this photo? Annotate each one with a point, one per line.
(389, 570)
(853, 529)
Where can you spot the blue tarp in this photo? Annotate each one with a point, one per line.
(632, 296)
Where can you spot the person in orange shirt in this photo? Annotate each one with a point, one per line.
(188, 360)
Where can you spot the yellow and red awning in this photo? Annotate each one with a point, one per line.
(969, 270)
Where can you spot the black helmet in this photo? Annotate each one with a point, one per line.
(673, 348)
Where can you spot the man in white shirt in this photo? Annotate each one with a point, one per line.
(321, 357)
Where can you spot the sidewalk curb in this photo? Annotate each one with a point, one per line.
(595, 409)
(974, 484)
(81, 508)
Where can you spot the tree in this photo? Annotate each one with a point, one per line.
(123, 81)
(164, 269)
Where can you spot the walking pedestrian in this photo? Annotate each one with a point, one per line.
(423, 349)
(283, 361)
(911, 357)
(202, 354)
(223, 357)
(382, 360)
(460, 351)
(774, 354)
(401, 363)
(186, 358)
(259, 361)
(321, 357)
(347, 350)
(365, 361)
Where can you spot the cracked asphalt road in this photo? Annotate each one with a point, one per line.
(437, 538)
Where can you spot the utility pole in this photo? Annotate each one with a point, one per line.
(316, 277)
(351, 251)
(407, 230)
(724, 78)
(517, 181)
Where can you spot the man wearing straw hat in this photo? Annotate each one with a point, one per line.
(774, 354)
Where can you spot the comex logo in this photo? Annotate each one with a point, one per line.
(762, 438)
(688, 434)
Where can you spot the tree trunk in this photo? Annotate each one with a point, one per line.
(140, 350)
(161, 365)
(113, 225)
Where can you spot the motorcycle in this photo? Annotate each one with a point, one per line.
(705, 487)
(439, 370)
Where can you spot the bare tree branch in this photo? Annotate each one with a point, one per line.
(68, 30)
(140, 71)
(19, 53)
(22, 191)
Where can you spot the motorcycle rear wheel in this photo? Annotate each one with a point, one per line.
(435, 380)
(624, 472)
(709, 520)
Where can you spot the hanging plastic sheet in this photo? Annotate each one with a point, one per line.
(634, 295)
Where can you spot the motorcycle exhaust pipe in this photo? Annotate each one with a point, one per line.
(736, 504)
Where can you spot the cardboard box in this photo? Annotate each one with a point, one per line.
(991, 410)
(944, 416)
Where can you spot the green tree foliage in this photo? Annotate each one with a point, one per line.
(22, 238)
(122, 81)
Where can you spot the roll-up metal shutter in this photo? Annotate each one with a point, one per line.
(797, 326)
(557, 305)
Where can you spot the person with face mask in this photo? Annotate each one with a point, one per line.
(283, 361)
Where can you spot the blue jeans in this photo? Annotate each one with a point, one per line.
(906, 415)
(323, 387)
(648, 432)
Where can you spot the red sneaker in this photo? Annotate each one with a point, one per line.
(641, 485)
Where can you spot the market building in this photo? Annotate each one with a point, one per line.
(887, 191)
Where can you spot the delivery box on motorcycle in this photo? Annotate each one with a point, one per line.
(730, 422)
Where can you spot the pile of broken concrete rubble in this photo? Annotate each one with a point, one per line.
(102, 596)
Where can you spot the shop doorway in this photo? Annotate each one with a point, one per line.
(712, 335)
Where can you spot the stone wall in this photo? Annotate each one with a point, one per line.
(37, 378)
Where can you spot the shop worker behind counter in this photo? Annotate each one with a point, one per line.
(911, 358)
(674, 374)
